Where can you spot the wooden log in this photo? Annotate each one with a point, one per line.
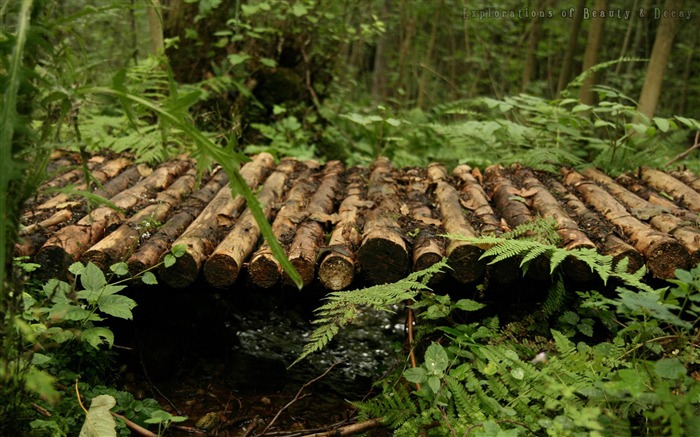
(507, 271)
(121, 243)
(662, 182)
(662, 253)
(598, 230)
(640, 189)
(428, 247)
(337, 267)
(572, 237)
(202, 236)
(108, 171)
(68, 244)
(59, 217)
(681, 230)
(224, 265)
(462, 256)
(71, 176)
(687, 177)
(264, 269)
(383, 253)
(304, 250)
(155, 247)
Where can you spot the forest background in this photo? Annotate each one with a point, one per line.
(611, 83)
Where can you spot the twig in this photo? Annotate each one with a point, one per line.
(687, 152)
(409, 328)
(296, 398)
(135, 426)
(349, 429)
(77, 393)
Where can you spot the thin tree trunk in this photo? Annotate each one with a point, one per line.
(590, 57)
(663, 44)
(379, 73)
(155, 23)
(568, 64)
(423, 82)
(628, 35)
(533, 40)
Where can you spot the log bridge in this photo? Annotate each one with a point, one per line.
(347, 226)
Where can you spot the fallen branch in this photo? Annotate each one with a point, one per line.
(349, 429)
(687, 152)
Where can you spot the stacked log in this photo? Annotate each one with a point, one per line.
(202, 236)
(640, 189)
(462, 256)
(224, 265)
(264, 269)
(663, 254)
(68, 244)
(337, 267)
(662, 182)
(383, 254)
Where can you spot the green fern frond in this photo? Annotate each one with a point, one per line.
(564, 346)
(556, 297)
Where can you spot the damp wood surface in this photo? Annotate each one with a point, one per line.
(344, 227)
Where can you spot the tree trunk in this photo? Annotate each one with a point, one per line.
(599, 230)
(628, 35)
(264, 269)
(337, 268)
(383, 255)
(462, 256)
(590, 57)
(202, 236)
(155, 23)
(303, 251)
(663, 254)
(224, 265)
(153, 249)
(532, 41)
(427, 60)
(663, 44)
(568, 63)
(379, 73)
(662, 182)
(68, 244)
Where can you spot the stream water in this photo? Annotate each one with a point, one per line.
(222, 359)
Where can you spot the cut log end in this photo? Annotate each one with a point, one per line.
(305, 268)
(505, 272)
(181, 274)
(336, 272)
(577, 270)
(464, 262)
(221, 270)
(665, 257)
(264, 271)
(382, 261)
(54, 262)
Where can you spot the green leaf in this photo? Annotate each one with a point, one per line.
(669, 368)
(299, 10)
(169, 260)
(117, 306)
(662, 123)
(268, 62)
(57, 291)
(434, 383)
(149, 278)
(76, 268)
(237, 58)
(97, 336)
(65, 311)
(468, 305)
(178, 250)
(99, 421)
(436, 360)
(92, 278)
(518, 373)
(416, 375)
(120, 269)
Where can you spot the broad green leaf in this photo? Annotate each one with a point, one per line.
(57, 291)
(518, 373)
(64, 311)
(416, 375)
(99, 421)
(299, 10)
(92, 278)
(76, 268)
(178, 250)
(468, 305)
(237, 58)
(117, 306)
(38, 359)
(670, 368)
(149, 278)
(434, 383)
(662, 123)
(169, 260)
(120, 269)
(97, 336)
(436, 360)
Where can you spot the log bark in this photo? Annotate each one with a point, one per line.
(202, 236)
(304, 250)
(120, 244)
(598, 230)
(682, 193)
(264, 269)
(224, 265)
(383, 254)
(428, 247)
(572, 237)
(71, 176)
(462, 256)
(637, 187)
(507, 271)
(659, 218)
(662, 253)
(337, 268)
(68, 244)
(688, 178)
(150, 253)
